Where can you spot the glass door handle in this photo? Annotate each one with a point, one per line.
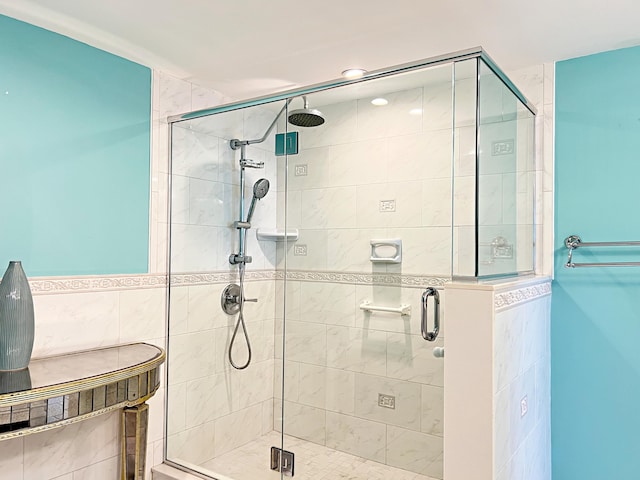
(430, 336)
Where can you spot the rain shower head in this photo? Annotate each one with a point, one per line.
(260, 189)
(306, 117)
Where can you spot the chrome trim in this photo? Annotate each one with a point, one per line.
(384, 72)
(573, 242)
(430, 336)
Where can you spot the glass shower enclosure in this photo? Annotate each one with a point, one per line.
(311, 234)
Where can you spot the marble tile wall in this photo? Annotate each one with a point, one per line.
(212, 407)
(338, 359)
(521, 383)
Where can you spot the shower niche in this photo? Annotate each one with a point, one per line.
(436, 155)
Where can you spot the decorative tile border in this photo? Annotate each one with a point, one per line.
(504, 300)
(83, 284)
(366, 278)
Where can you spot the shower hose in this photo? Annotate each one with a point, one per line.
(240, 321)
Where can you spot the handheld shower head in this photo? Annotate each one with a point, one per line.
(260, 189)
(306, 117)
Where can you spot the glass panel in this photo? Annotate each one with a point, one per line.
(358, 382)
(217, 413)
(505, 180)
(464, 171)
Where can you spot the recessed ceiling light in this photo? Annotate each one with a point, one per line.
(379, 102)
(351, 73)
(415, 111)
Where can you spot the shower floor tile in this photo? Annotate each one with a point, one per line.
(313, 462)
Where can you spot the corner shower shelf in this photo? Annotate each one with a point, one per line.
(64, 389)
(277, 234)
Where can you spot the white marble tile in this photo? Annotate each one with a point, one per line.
(490, 197)
(356, 436)
(405, 197)
(465, 152)
(106, 470)
(12, 457)
(464, 204)
(436, 202)
(174, 95)
(195, 445)
(432, 410)
(357, 163)
(392, 119)
(142, 314)
(191, 356)
(156, 415)
(407, 401)
(178, 310)
(509, 340)
(328, 208)
(194, 154)
(437, 113)
(255, 383)
(207, 204)
(340, 391)
(226, 125)
(238, 428)
(313, 384)
(301, 421)
(264, 308)
(74, 446)
(205, 312)
(318, 168)
(176, 408)
(315, 256)
(356, 349)
(330, 303)
(349, 249)
(530, 81)
(267, 415)
(193, 248)
(202, 97)
(306, 342)
(417, 452)
(502, 428)
(410, 357)
(425, 250)
(75, 321)
(207, 398)
(291, 381)
(420, 156)
(465, 99)
(522, 425)
(179, 199)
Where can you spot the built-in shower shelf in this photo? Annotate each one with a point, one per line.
(277, 234)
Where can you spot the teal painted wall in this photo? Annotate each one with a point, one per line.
(74, 155)
(595, 325)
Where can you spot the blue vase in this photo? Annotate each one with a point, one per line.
(16, 319)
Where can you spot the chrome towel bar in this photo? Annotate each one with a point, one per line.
(402, 309)
(573, 242)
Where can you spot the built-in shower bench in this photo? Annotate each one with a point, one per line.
(64, 389)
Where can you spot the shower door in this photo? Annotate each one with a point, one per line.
(362, 390)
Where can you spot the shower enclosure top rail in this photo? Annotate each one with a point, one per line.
(384, 72)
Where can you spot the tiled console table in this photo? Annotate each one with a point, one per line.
(63, 389)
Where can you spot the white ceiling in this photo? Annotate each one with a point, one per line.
(245, 48)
